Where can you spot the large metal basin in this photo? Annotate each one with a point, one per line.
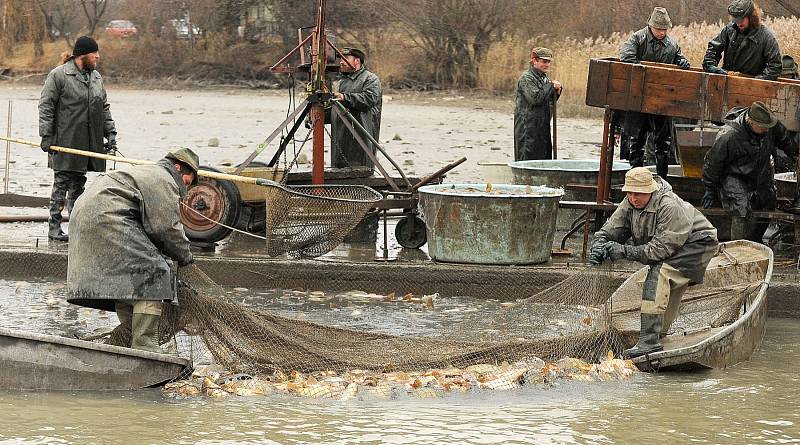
(512, 224)
(560, 173)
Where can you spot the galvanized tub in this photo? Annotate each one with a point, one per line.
(560, 173)
(511, 224)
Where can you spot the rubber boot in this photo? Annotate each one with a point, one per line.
(54, 231)
(145, 332)
(648, 337)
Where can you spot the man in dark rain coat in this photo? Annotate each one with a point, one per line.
(749, 46)
(74, 113)
(360, 92)
(737, 171)
(126, 238)
(533, 109)
(651, 44)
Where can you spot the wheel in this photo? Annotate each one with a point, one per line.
(214, 199)
(410, 232)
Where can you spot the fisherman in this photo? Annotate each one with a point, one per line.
(651, 44)
(670, 236)
(74, 113)
(360, 92)
(533, 109)
(749, 46)
(126, 236)
(737, 171)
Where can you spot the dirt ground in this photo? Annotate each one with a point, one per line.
(422, 132)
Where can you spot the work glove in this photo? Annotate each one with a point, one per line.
(714, 69)
(46, 143)
(710, 199)
(684, 64)
(111, 145)
(597, 255)
(615, 251)
(187, 262)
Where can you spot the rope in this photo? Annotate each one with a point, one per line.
(223, 225)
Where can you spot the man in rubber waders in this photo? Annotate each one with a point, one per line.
(533, 109)
(655, 227)
(126, 237)
(74, 113)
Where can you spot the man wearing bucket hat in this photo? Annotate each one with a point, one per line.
(74, 113)
(533, 109)
(666, 233)
(737, 170)
(359, 90)
(126, 237)
(651, 44)
(749, 46)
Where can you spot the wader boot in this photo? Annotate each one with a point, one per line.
(54, 231)
(145, 332)
(648, 337)
(795, 207)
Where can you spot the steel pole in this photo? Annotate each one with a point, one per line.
(8, 146)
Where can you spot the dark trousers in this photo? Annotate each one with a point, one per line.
(637, 127)
(67, 187)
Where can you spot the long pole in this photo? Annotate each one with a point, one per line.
(91, 154)
(602, 183)
(8, 146)
(319, 61)
(555, 127)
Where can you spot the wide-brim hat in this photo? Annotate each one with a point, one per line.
(761, 115)
(188, 157)
(639, 180)
(356, 53)
(788, 65)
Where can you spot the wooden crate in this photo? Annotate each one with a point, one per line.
(669, 91)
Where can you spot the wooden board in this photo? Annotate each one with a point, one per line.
(665, 90)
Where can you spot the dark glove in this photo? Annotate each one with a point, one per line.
(111, 145)
(710, 199)
(615, 251)
(714, 69)
(187, 262)
(597, 255)
(45, 144)
(684, 64)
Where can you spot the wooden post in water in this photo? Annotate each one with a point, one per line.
(8, 146)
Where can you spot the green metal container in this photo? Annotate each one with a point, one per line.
(511, 224)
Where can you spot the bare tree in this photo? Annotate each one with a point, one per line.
(94, 10)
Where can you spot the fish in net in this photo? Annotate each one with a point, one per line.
(567, 321)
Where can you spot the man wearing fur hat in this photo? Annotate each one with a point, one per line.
(651, 44)
(74, 113)
(737, 171)
(745, 45)
(670, 236)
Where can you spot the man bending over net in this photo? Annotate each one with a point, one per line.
(669, 235)
(125, 234)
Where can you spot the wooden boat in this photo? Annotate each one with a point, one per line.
(32, 361)
(720, 322)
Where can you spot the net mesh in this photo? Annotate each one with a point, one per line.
(310, 221)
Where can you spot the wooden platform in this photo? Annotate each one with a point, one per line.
(669, 91)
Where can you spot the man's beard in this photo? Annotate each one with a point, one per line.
(88, 64)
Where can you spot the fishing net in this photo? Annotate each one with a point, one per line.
(311, 220)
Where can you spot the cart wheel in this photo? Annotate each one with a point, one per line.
(214, 199)
(410, 232)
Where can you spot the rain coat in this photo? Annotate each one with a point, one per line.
(74, 113)
(642, 46)
(668, 230)
(363, 98)
(755, 53)
(125, 233)
(737, 168)
(532, 114)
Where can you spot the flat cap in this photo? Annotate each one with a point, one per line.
(356, 53)
(739, 9)
(187, 157)
(762, 116)
(543, 53)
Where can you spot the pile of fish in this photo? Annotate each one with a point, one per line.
(392, 384)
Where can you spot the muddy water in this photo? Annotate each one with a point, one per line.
(755, 402)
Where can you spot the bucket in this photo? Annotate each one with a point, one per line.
(560, 173)
(511, 224)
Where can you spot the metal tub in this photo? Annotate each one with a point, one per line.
(560, 173)
(512, 224)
